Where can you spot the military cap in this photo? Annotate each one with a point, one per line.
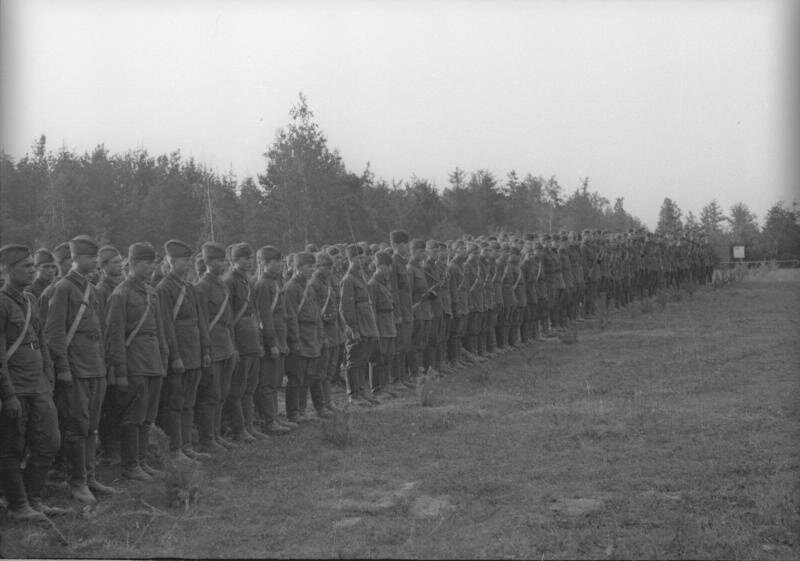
(472, 247)
(213, 250)
(353, 250)
(303, 258)
(82, 245)
(107, 253)
(333, 250)
(538, 245)
(322, 258)
(417, 244)
(383, 258)
(12, 254)
(398, 236)
(530, 237)
(459, 244)
(141, 251)
(176, 249)
(238, 250)
(311, 248)
(374, 248)
(42, 256)
(269, 253)
(431, 244)
(546, 237)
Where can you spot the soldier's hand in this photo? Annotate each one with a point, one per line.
(206, 361)
(12, 407)
(177, 366)
(64, 377)
(274, 352)
(122, 383)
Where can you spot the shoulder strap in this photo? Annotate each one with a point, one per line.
(219, 312)
(139, 325)
(243, 309)
(178, 302)
(275, 298)
(10, 352)
(79, 316)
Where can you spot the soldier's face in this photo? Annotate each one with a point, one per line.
(22, 272)
(143, 270)
(113, 266)
(418, 254)
(274, 267)
(307, 270)
(85, 264)
(401, 248)
(181, 265)
(216, 266)
(243, 264)
(47, 271)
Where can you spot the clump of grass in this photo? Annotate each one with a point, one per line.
(428, 391)
(337, 431)
(183, 483)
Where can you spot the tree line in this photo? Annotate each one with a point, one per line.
(306, 195)
(778, 239)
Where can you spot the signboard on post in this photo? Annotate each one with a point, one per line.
(738, 252)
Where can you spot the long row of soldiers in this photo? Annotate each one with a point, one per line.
(95, 345)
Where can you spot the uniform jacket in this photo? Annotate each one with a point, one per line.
(30, 371)
(85, 356)
(304, 331)
(458, 293)
(147, 353)
(434, 277)
(38, 286)
(328, 299)
(267, 292)
(401, 289)
(187, 330)
(383, 301)
(212, 293)
(356, 305)
(419, 291)
(246, 335)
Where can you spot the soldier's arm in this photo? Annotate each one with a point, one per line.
(56, 331)
(202, 325)
(116, 334)
(162, 339)
(292, 327)
(167, 301)
(347, 305)
(263, 299)
(6, 387)
(47, 361)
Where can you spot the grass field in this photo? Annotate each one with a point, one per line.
(670, 434)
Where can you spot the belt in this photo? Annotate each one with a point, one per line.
(33, 345)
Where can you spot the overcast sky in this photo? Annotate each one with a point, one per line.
(688, 100)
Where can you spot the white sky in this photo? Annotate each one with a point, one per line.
(689, 100)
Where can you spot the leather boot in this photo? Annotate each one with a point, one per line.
(76, 454)
(144, 439)
(129, 452)
(292, 403)
(26, 514)
(317, 395)
(92, 483)
(326, 394)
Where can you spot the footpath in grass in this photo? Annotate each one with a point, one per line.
(670, 433)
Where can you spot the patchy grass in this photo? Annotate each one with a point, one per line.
(671, 433)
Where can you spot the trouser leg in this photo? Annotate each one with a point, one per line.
(170, 408)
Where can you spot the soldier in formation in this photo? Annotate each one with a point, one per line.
(96, 349)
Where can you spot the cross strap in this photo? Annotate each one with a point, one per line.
(13, 348)
(79, 316)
